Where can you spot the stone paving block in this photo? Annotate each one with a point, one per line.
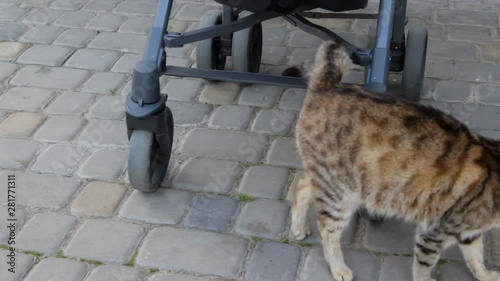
(113, 272)
(6, 70)
(106, 22)
(134, 7)
(455, 272)
(108, 107)
(41, 34)
(165, 206)
(452, 50)
(476, 72)
(11, 31)
(75, 37)
(182, 89)
(227, 145)
(105, 132)
(60, 159)
(274, 55)
(36, 3)
(12, 14)
(453, 91)
(302, 39)
(42, 16)
(98, 199)
(189, 112)
(46, 190)
(274, 36)
(123, 42)
(45, 55)
(300, 55)
(112, 241)
(23, 264)
(292, 99)
(391, 236)
(264, 181)
(193, 251)
(494, 241)
(45, 232)
(104, 165)
(9, 51)
(181, 277)
(231, 117)
(219, 92)
(74, 19)
(478, 116)
(126, 63)
(137, 25)
(68, 4)
(363, 265)
(283, 152)
(438, 68)
(260, 95)
(99, 60)
(26, 99)
(262, 218)
(191, 12)
(100, 5)
(19, 154)
(20, 124)
(60, 128)
(274, 121)
(490, 53)
(57, 270)
(212, 212)
(396, 268)
(49, 77)
(272, 261)
(208, 175)
(20, 216)
(476, 18)
(70, 103)
(474, 34)
(105, 83)
(10, 3)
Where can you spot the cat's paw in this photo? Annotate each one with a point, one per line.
(342, 273)
(300, 231)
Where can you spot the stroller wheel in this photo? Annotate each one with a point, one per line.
(414, 64)
(148, 159)
(247, 49)
(207, 53)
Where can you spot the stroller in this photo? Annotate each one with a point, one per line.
(226, 33)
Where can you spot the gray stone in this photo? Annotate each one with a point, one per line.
(274, 55)
(113, 272)
(60, 128)
(5, 214)
(105, 132)
(488, 94)
(133, 7)
(182, 89)
(390, 236)
(41, 16)
(67, 5)
(45, 232)
(212, 212)
(476, 72)
(41, 34)
(438, 68)
(301, 55)
(191, 12)
(490, 53)
(476, 18)
(21, 124)
(208, 175)
(127, 63)
(57, 270)
(25, 99)
(260, 95)
(75, 37)
(274, 121)
(11, 14)
(219, 92)
(45, 190)
(274, 36)
(70, 103)
(108, 107)
(18, 154)
(36, 3)
(396, 268)
(189, 112)
(271, 261)
(262, 218)
(23, 264)
(11, 31)
(104, 165)
(74, 19)
(112, 241)
(59, 159)
(451, 50)
(49, 77)
(106, 22)
(9, 51)
(292, 99)
(137, 25)
(100, 60)
(454, 91)
(98, 199)
(165, 206)
(100, 5)
(123, 42)
(6, 70)
(455, 272)
(105, 83)
(195, 251)
(477, 116)
(363, 265)
(264, 181)
(181, 277)
(283, 152)
(474, 34)
(229, 145)
(45, 55)
(301, 39)
(231, 117)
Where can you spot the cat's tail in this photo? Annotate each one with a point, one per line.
(329, 65)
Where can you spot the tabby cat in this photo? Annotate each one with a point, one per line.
(395, 158)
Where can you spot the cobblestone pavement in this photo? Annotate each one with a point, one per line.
(65, 68)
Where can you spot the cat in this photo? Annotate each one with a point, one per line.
(396, 158)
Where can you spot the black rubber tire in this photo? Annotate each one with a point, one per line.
(414, 65)
(206, 53)
(247, 49)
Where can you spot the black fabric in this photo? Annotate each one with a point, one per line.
(288, 6)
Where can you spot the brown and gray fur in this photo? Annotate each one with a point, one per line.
(395, 158)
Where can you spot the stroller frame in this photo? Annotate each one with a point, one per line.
(149, 120)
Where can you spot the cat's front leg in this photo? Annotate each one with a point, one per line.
(473, 251)
(428, 247)
(303, 200)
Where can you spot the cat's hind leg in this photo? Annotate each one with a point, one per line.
(303, 199)
(472, 249)
(428, 247)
